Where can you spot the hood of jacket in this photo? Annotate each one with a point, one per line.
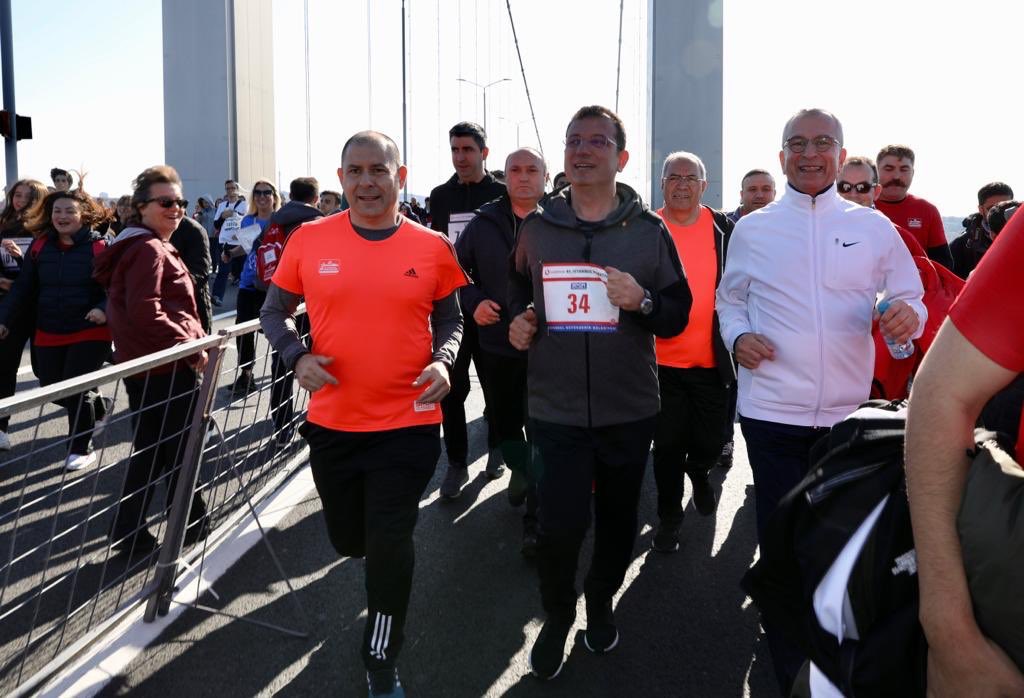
(106, 262)
(295, 213)
(556, 208)
(499, 212)
(487, 180)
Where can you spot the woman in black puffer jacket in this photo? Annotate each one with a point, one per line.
(71, 336)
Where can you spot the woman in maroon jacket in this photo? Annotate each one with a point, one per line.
(151, 306)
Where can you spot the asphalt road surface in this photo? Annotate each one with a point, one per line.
(686, 628)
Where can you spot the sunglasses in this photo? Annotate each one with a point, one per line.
(262, 192)
(167, 202)
(844, 187)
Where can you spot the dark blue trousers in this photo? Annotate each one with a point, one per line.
(779, 456)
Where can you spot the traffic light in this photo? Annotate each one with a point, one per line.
(24, 124)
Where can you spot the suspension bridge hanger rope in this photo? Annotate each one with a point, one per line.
(526, 86)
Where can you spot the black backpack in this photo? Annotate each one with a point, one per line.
(852, 469)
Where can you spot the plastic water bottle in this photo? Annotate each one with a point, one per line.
(898, 351)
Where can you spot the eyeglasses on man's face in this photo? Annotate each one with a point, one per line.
(822, 144)
(681, 179)
(599, 142)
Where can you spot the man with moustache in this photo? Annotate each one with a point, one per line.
(896, 173)
(795, 304)
(858, 182)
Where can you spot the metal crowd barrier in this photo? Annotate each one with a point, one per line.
(62, 586)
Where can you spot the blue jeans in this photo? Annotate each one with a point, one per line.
(220, 280)
(779, 456)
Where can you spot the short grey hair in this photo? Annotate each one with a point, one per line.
(815, 112)
(689, 157)
(532, 151)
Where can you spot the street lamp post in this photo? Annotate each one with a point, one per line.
(518, 124)
(484, 89)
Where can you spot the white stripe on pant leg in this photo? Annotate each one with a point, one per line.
(374, 637)
(387, 636)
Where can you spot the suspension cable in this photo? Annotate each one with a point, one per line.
(618, 67)
(526, 86)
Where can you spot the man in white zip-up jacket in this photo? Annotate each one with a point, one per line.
(795, 305)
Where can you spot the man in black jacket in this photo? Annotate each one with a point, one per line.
(595, 276)
(193, 244)
(483, 250)
(970, 246)
(452, 206)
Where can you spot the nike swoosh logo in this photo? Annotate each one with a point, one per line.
(849, 244)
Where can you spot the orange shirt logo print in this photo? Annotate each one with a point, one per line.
(329, 267)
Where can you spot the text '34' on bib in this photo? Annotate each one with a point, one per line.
(576, 299)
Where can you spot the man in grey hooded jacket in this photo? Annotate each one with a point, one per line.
(595, 276)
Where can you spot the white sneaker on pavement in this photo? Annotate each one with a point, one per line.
(77, 461)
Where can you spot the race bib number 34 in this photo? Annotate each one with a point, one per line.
(576, 299)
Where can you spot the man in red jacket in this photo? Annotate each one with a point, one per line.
(896, 171)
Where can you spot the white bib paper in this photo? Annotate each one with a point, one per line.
(247, 235)
(457, 222)
(576, 299)
(229, 230)
(9, 261)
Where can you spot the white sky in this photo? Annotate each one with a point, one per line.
(939, 77)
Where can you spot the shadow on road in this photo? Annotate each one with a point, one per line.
(686, 628)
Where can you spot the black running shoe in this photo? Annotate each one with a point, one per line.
(454, 479)
(495, 464)
(384, 683)
(243, 385)
(704, 499)
(601, 635)
(666, 536)
(548, 653)
(725, 457)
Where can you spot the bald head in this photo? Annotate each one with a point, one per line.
(525, 177)
(821, 113)
(374, 138)
(521, 153)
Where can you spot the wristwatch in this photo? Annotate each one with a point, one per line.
(647, 304)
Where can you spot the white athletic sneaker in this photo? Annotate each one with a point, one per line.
(5, 441)
(77, 462)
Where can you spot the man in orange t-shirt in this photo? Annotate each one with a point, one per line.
(382, 297)
(695, 370)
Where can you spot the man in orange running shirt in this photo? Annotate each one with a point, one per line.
(695, 369)
(375, 284)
